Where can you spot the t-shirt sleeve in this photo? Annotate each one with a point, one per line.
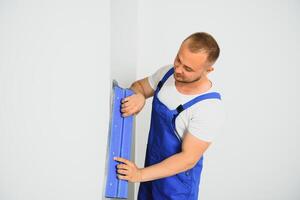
(157, 76)
(206, 121)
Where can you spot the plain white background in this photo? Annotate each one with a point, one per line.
(54, 98)
(256, 156)
(57, 60)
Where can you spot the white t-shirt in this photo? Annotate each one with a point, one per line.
(203, 119)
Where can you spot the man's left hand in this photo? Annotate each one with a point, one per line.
(127, 170)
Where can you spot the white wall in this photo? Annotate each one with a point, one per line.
(124, 41)
(54, 98)
(124, 51)
(256, 155)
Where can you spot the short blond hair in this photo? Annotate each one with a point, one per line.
(203, 42)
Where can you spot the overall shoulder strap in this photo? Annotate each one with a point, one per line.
(211, 95)
(165, 77)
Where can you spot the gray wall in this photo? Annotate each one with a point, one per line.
(256, 156)
(54, 98)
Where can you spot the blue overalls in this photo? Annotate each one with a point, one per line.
(163, 142)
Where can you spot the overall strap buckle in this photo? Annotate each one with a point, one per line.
(179, 109)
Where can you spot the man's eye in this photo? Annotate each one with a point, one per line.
(188, 69)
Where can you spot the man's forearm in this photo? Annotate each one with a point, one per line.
(173, 165)
(137, 88)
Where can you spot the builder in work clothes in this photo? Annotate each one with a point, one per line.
(186, 115)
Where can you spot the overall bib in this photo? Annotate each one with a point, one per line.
(163, 142)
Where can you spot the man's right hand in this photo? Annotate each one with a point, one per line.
(133, 104)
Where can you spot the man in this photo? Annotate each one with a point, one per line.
(185, 115)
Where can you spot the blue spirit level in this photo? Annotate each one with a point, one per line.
(119, 143)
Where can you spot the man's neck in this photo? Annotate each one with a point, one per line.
(197, 87)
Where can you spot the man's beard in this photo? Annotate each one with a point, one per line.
(185, 81)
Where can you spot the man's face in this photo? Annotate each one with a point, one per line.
(190, 67)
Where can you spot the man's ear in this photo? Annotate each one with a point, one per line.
(209, 69)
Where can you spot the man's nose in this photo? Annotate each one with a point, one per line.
(178, 69)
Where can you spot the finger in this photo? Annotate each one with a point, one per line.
(133, 111)
(125, 104)
(125, 99)
(127, 113)
(130, 109)
(123, 160)
(122, 166)
(123, 177)
(125, 110)
(122, 172)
